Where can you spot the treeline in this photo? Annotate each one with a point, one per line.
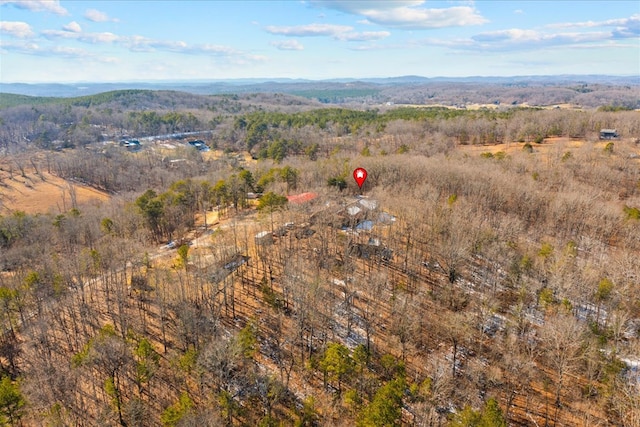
(515, 93)
(277, 135)
(68, 122)
(255, 123)
(323, 134)
(56, 126)
(128, 98)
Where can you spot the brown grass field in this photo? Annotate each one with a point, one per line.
(43, 192)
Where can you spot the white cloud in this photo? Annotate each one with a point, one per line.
(364, 36)
(407, 14)
(73, 26)
(214, 49)
(452, 43)
(85, 37)
(70, 51)
(96, 15)
(583, 35)
(628, 28)
(511, 35)
(411, 18)
(30, 48)
(52, 6)
(338, 32)
(21, 47)
(138, 43)
(287, 45)
(622, 28)
(17, 29)
(356, 6)
(516, 39)
(633, 21)
(311, 30)
(377, 47)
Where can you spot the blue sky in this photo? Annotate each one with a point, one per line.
(103, 41)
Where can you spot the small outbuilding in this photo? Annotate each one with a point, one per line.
(131, 144)
(608, 134)
(199, 145)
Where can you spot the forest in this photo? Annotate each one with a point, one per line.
(486, 274)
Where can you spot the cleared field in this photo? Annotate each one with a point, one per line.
(509, 147)
(553, 145)
(43, 192)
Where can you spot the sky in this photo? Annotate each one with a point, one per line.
(126, 41)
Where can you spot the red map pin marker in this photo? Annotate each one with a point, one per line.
(360, 175)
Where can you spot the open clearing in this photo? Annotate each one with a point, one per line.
(510, 147)
(554, 146)
(43, 192)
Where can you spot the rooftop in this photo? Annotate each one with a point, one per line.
(301, 198)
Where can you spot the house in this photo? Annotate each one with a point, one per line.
(199, 145)
(357, 214)
(608, 134)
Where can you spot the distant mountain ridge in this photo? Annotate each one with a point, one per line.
(572, 90)
(287, 85)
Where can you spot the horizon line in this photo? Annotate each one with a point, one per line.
(305, 79)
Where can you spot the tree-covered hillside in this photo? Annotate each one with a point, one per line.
(485, 274)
